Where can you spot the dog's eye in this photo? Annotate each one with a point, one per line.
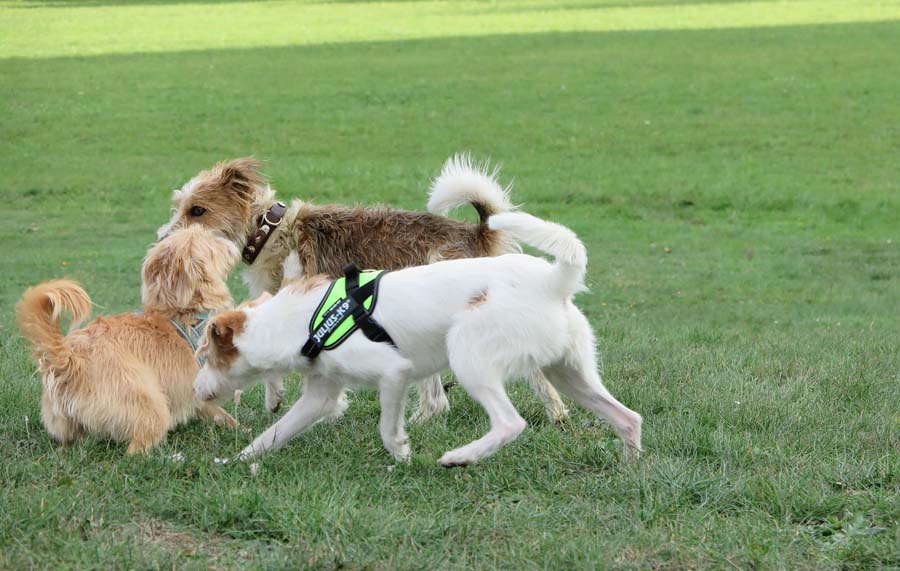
(197, 211)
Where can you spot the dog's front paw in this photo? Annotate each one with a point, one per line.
(399, 449)
(403, 453)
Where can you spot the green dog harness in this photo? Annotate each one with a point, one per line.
(346, 307)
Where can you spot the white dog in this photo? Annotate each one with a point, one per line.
(487, 319)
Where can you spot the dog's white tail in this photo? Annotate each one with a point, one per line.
(552, 238)
(463, 182)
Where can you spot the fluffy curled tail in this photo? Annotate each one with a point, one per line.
(552, 238)
(463, 182)
(39, 314)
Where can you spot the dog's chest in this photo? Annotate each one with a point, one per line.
(261, 278)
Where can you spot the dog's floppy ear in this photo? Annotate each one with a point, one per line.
(187, 270)
(165, 279)
(241, 175)
(213, 259)
(218, 339)
(224, 327)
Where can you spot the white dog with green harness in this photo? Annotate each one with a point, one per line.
(487, 319)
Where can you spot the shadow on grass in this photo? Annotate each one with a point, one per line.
(632, 105)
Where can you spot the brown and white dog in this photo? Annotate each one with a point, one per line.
(235, 199)
(489, 320)
(129, 376)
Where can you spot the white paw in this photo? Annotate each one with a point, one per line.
(246, 454)
(403, 454)
(401, 451)
(456, 458)
(632, 453)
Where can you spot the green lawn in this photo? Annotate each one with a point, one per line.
(733, 167)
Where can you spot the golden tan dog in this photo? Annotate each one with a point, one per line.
(129, 376)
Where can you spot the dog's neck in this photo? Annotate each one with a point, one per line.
(265, 272)
(208, 300)
(182, 315)
(295, 308)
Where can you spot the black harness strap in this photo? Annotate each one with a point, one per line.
(364, 320)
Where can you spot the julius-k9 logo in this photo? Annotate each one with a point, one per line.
(332, 320)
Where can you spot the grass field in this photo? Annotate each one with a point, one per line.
(734, 168)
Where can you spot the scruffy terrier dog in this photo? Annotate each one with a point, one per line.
(487, 319)
(130, 376)
(235, 199)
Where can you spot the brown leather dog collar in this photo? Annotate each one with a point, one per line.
(270, 220)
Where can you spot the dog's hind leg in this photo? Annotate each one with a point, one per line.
(506, 423)
(576, 376)
(319, 400)
(432, 400)
(61, 428)
(484, 382)
(585, 387)
(553, 404)
(148, 424)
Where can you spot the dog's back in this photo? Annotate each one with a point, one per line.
(330, 237)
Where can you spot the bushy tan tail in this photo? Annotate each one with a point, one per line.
(39, 315)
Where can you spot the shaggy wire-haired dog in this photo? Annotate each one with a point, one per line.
(488, 319)
(130, 376)
(234, 198)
